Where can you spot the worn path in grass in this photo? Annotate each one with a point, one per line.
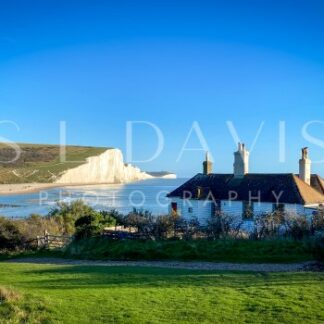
(221, 266)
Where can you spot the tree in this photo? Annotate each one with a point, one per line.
(67, 213)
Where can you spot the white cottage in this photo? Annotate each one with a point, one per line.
(247, 195)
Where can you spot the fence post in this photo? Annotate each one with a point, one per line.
(46, 238)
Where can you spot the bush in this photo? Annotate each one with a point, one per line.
(318, 221)
(297, 226)
(66, 214)
(220, 226)
(35, 225)
(87, 226)
(10, 236)
(165, 226)
(319, 248)
(93, 224)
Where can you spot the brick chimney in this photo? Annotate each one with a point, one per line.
(305, 166)
(207, 165)
(241, 161)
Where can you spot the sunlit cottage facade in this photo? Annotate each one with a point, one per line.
(245, 195)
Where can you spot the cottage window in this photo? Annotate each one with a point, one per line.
(247, 210)
(190, 210)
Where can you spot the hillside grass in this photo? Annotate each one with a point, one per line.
(227, 250)
(41, 163)
(84, 294)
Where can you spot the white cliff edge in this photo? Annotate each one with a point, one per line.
(108, 167)
(169, 176)
(163, 175)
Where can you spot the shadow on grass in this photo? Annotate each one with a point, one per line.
(72, 277)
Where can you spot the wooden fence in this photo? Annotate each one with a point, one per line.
(53, 241)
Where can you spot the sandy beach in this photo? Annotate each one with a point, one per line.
(21, 188)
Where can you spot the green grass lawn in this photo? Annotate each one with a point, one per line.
(82, 294)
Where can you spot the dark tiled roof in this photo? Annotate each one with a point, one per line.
(291, 189)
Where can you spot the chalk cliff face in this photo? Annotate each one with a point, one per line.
(108, 167)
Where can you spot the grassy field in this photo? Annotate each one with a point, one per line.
(41, 163)
(82, 294)
(279, 250)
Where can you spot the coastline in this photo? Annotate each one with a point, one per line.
(24, 188)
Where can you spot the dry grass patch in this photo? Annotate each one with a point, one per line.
(9, 295)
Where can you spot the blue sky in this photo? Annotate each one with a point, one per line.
(98, 64)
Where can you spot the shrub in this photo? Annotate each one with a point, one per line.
(87, 226)
(319, 247)
(188, 229)
(165, 226)
(318, 221)
(109, 218)
(35, 225)
(93, 224)
(10, 236)
(297, 226)
(220, 226)
(66, 214)
(268, 225)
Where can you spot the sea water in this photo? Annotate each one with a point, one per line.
(146, 195)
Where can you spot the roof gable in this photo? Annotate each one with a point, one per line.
(308, 193)
(317, 183)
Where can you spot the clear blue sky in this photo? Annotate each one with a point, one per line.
(98, 64)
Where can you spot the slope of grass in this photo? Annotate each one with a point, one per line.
(15, 308)
(86, 294)
(41, 163)
(279, 250)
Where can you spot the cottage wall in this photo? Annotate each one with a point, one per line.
(202, 210)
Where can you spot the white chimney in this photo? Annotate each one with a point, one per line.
(241, 161)
(305, 166)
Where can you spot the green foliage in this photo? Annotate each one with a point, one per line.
(10, 236)
(226, 250)
(66, 218)
(66, 214)
(90, 225)
(88, 294)
(93, 224)
(318, 221)
(319, 247)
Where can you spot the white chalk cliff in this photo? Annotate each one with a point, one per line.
(108, 167)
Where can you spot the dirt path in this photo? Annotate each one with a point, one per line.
(264, 267)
